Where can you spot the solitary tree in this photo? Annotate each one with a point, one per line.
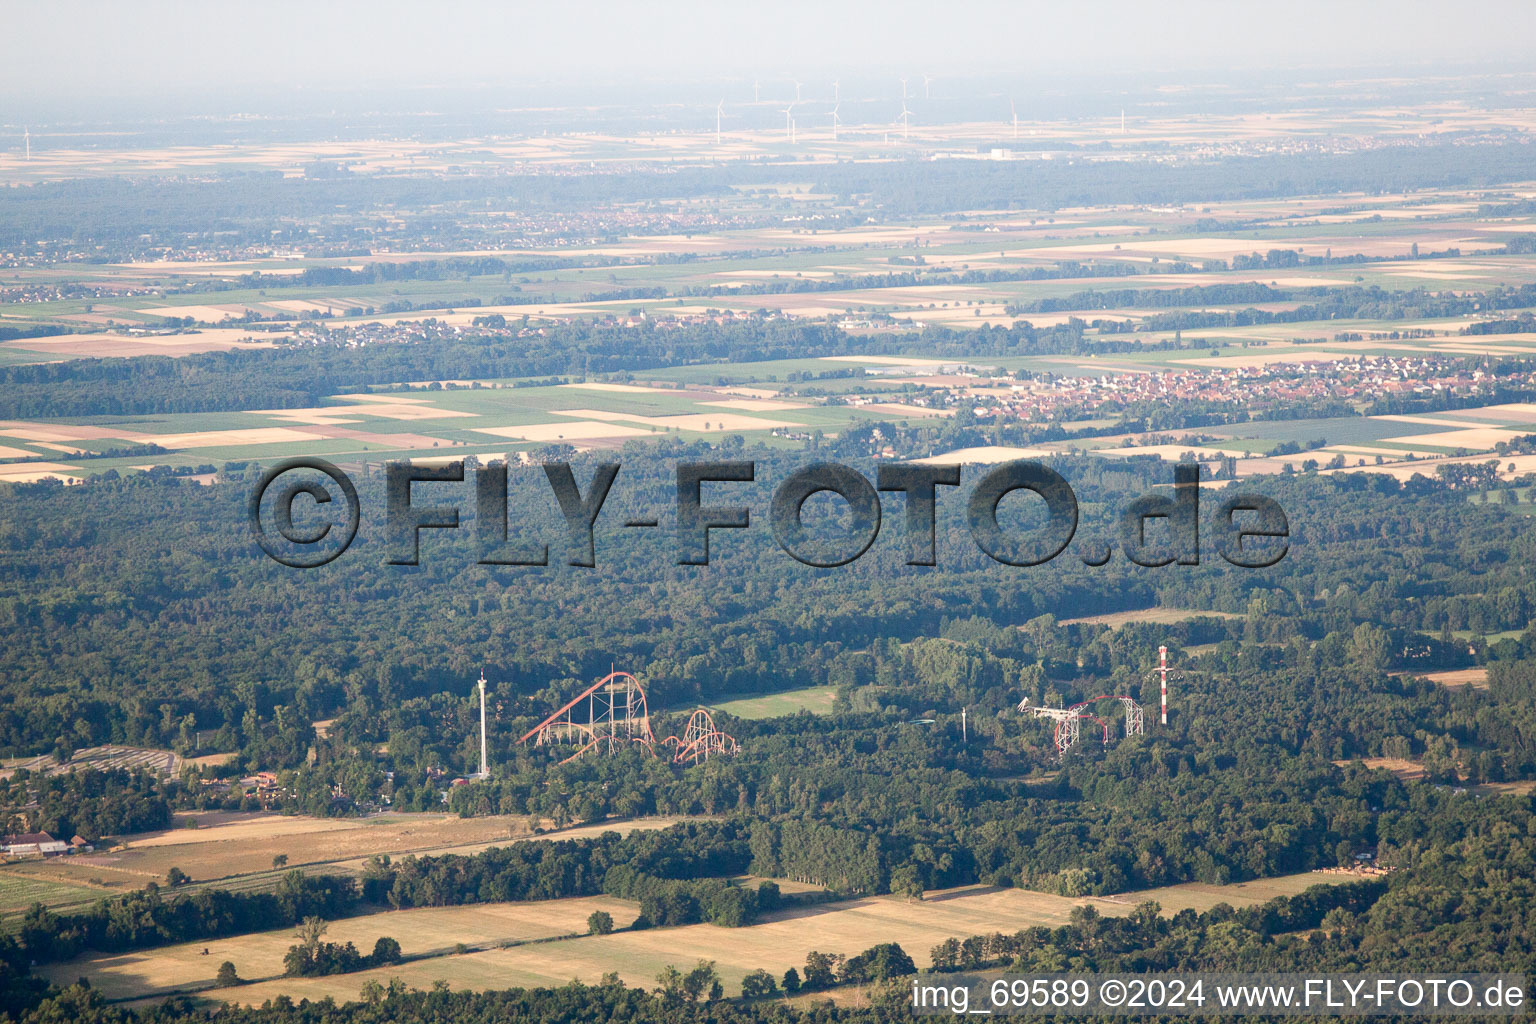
(280, 861)
(311, 932)
(759, 985)
(385, 951)
(702, 982)
(599, 922)
(227, 975)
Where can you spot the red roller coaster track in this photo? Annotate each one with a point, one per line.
(617, 718)
(701, 740)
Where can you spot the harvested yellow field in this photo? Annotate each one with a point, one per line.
(717, 421)
(231, 438)
(702, 422)
(305, 306)
(31, 472)
(779, 942)
(243, 830)
(1477, 678)
(17, 453)
(623, 827)
(386, 399)
(448, 460)
(1482, 438)
(1432, 421)
(914, 411)
(1201, 897)
(209, 314)
(600, 386)
(415, 412)
(1157, 616)
(755, 404)
(47, 432)
(311, 417)
(1427, 467)
(93, 346)
(1174, 452)
(1517, 412)
(228, 846)
(985, 456)
(419, 931)
(575, 430)
(1401, 767)
(888, 360)
(401, 410)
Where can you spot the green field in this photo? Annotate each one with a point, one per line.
(19, 891)
(815, 699)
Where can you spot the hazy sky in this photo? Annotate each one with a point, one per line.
(109, 48)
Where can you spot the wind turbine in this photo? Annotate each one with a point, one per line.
(837, 92)
(927, 80)
(797, 89)
(1015, 112)
(835, 121)
(789, 123)
(903, 90)
(26, 135)
(905, 115)
(754, 90)
(719, 112)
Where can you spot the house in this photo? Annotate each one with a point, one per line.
(79, 844)
(34, 844)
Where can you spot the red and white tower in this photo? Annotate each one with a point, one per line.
(1162, 673)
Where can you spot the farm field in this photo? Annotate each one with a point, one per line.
(237, 851)
(884, 280)
(492, 422)
(774, 944)
(815, 699)
(1477, 678)
(19, 890)
(423, 931)
(1151, 616)
(1403, 768)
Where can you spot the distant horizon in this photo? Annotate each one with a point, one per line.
(1053, 95)
(88, 60)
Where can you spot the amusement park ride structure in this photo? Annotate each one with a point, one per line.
(1069, 720)
(611, 715)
